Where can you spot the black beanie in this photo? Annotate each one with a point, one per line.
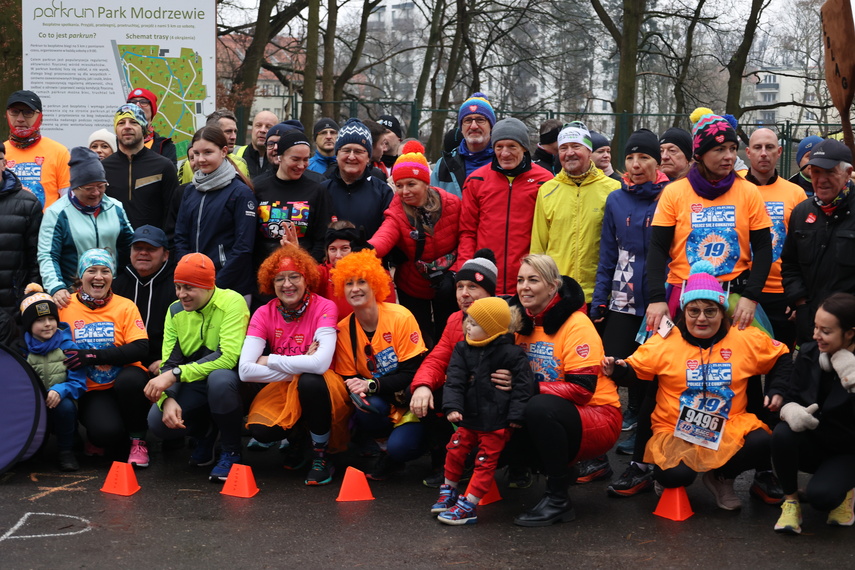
(643, 141)
(356, 237)
(289, 139)
(36, 304)
(679, 137)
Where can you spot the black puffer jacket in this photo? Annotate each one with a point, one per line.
(20, 220)
(470, 391)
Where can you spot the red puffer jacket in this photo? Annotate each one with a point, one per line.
(395, 231)
(431, 373)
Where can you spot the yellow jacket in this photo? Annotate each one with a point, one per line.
(567, 224)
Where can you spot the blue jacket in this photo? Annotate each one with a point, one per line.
(320, 163)
(621, 274)
(46, 358)
(66, 233)
(220, 224)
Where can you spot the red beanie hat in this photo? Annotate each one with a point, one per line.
(145, 94)
(196, 269)
(412, 163)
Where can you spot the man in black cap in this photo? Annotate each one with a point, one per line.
(39, 162)
(675, 145)
(546, 153)
(819, 253)
(148, 282)
(392, 140)
(325, 134)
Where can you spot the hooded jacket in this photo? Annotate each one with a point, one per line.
(20, 220)
(621, 273)
(568, 219)
(498, 213)
(152, 295)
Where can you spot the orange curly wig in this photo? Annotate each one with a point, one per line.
(305, 263)
(363, 264)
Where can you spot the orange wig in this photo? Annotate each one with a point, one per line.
(361, 265)
(301, 260)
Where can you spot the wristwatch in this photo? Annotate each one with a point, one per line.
(177, 372)
(372, 385)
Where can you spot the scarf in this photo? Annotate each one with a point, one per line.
(23, 137)
(706, 189)
(149, 134)
(474, 160)
(88, 210)
(523, 166)
(219, 178)
(578, 179)
(831, 207)
(92, 302)
(37, 346)
(291, 315)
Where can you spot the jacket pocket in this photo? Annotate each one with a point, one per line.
(844, 247)
(805, 247)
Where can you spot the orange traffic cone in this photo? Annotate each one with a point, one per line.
(121, 480)
(492, 496)
(354, 487)
(674, 505)
(240, 482)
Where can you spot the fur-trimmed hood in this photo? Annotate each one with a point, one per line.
(572, 298)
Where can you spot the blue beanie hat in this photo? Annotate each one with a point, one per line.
(806, 146)
(354, 131)
(96, 257)
(476, 104)
(85, 167)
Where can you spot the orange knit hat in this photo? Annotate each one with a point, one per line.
(412, 163)
(196, 269)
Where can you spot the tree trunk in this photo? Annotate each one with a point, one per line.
(736, 65)
(633, 15)
(328, 81)
(437, 122)
(430, 51)
(310, 71)
(685, 62)
(348, 71)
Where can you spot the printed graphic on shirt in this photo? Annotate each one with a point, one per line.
(387, 362)
(708, 387)
(30, 174)
(541, 356)
(96, 336)
(714, 237)
(779, 227)
(274, 214)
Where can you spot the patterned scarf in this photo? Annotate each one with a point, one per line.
(829, 209)
(577, 180)
(26, 136)
(90, 210)
(149, 134)
(291, 315)
(92, 302)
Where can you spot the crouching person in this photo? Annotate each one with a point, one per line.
(196, 392)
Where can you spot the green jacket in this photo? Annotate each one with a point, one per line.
(199, 342)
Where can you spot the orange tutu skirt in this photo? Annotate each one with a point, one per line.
(666, 451)
(278, 404)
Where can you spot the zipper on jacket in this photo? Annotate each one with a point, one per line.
(507, 231)
(130, 178)
(199, 220)
(97, 237)
(222, 251)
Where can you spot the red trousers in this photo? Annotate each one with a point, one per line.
(490, 445)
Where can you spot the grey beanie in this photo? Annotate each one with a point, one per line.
(598, 140)
(85, 167)
(510, 129)
(481, 269)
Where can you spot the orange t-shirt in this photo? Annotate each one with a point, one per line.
(684, 370)
(117, 324)
(714, 230)
(780, 199)
(42, 168)
(575, 348)
(396, 339)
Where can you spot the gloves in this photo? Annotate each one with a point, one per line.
(843, 362)
(799, 417)
(78, 358)
(597, 312)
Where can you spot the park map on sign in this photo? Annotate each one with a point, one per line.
(176, 81)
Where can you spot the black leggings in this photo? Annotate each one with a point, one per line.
(556, 431)
(833, 471)
(753, 455)
(644, 431)
(619, 341)
(110, 415)
(316, 410)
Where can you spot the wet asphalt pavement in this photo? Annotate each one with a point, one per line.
(180, 520)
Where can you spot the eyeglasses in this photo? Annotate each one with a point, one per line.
(100, 187)
(28, 113)
(271, 144)
(353, 151)
(372, 361)
(141, 102)
(292, 278)
(477, 119)
(709, 312)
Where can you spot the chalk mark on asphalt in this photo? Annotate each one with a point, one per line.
(11, 532)
(45, 491)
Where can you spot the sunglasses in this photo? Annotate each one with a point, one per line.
(372, 361)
